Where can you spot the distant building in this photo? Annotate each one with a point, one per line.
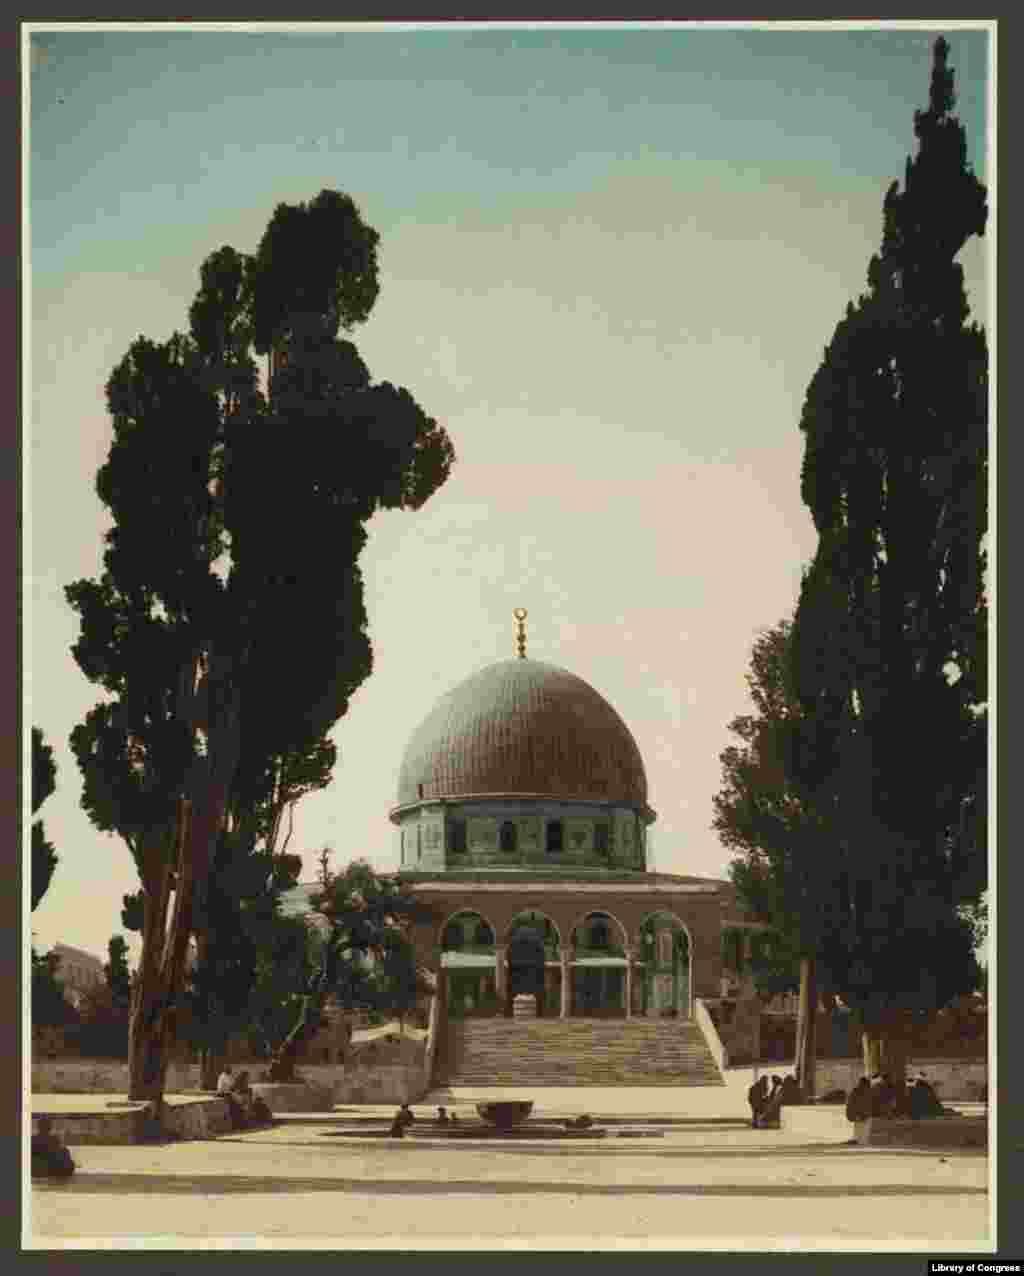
(78, 972)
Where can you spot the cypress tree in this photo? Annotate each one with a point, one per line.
(890, 633)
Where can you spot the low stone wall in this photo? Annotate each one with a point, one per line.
(430, 1043)
(101, 1076)
(294, 1096)
(400, 1083)
(202, 1119)
(403, 1081)
(936, 1132)
(963, 1080)
(706, 1024)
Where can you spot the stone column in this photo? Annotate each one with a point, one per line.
(629, 983)
(500, 973)
(563, 1011)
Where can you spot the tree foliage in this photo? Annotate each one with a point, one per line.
(117, 973)
(366, 958)
(890, 634)
(228, 628)
(783, 843)
(50, 1008)
(44, 781)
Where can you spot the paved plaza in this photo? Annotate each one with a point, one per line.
(677, 1169)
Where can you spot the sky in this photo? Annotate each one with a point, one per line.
(610, 262)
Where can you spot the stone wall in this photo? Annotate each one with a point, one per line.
(939, 1132)
(954, 1080)
(397, 1082)
(101, 1076)
(203, 1119)
(707, 1026)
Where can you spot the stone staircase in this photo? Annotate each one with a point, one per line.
(568, 1052)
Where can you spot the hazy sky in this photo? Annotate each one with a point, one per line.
(610, 262)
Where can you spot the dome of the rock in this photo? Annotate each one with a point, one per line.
(523, 728)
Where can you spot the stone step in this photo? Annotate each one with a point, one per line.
(567, 1052)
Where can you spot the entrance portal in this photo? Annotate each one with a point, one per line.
(598, 992)
(599, 968)
(525, 966)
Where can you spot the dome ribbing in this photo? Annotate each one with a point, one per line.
(523, 727)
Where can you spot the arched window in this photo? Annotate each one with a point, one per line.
(554, 837)
(599, 933)
(507, 837)
(665, 947)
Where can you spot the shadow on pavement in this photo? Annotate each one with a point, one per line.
(227, 1184)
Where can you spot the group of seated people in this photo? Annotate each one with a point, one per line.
(245, 1108)
(880, 1096)
(50, 1158)
(875, 1096)
(766, 1101)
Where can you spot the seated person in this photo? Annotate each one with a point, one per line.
(442, 1116)
(791, 1093)
(241, 1086)
(923, 1101)
(239, 1096)
(757, 1096)
(50, 1158)
(225, 1081)
(769, 1116)
(405, 1113)
(884, 1095)
(259, 1112)
(858, 1105)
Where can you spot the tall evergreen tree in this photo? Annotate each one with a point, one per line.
(231, 594)
(890, 634)
(44, 781)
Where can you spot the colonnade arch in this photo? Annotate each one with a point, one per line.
(600, 982)
(468, 963)
(665, 950)
(532, 962)
(601, 953)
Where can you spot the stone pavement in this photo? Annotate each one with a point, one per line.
(700, 1179)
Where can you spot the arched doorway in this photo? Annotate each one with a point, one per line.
(598, 971)
(533, 962)
(468, 965)
(664, 986)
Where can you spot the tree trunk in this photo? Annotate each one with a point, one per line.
(871, 1045)
(895, 1050)
(143, 1064)
(282, 1064)
(886, 1048)
(806, 1028)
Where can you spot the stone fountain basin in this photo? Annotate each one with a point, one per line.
(505, 1113)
